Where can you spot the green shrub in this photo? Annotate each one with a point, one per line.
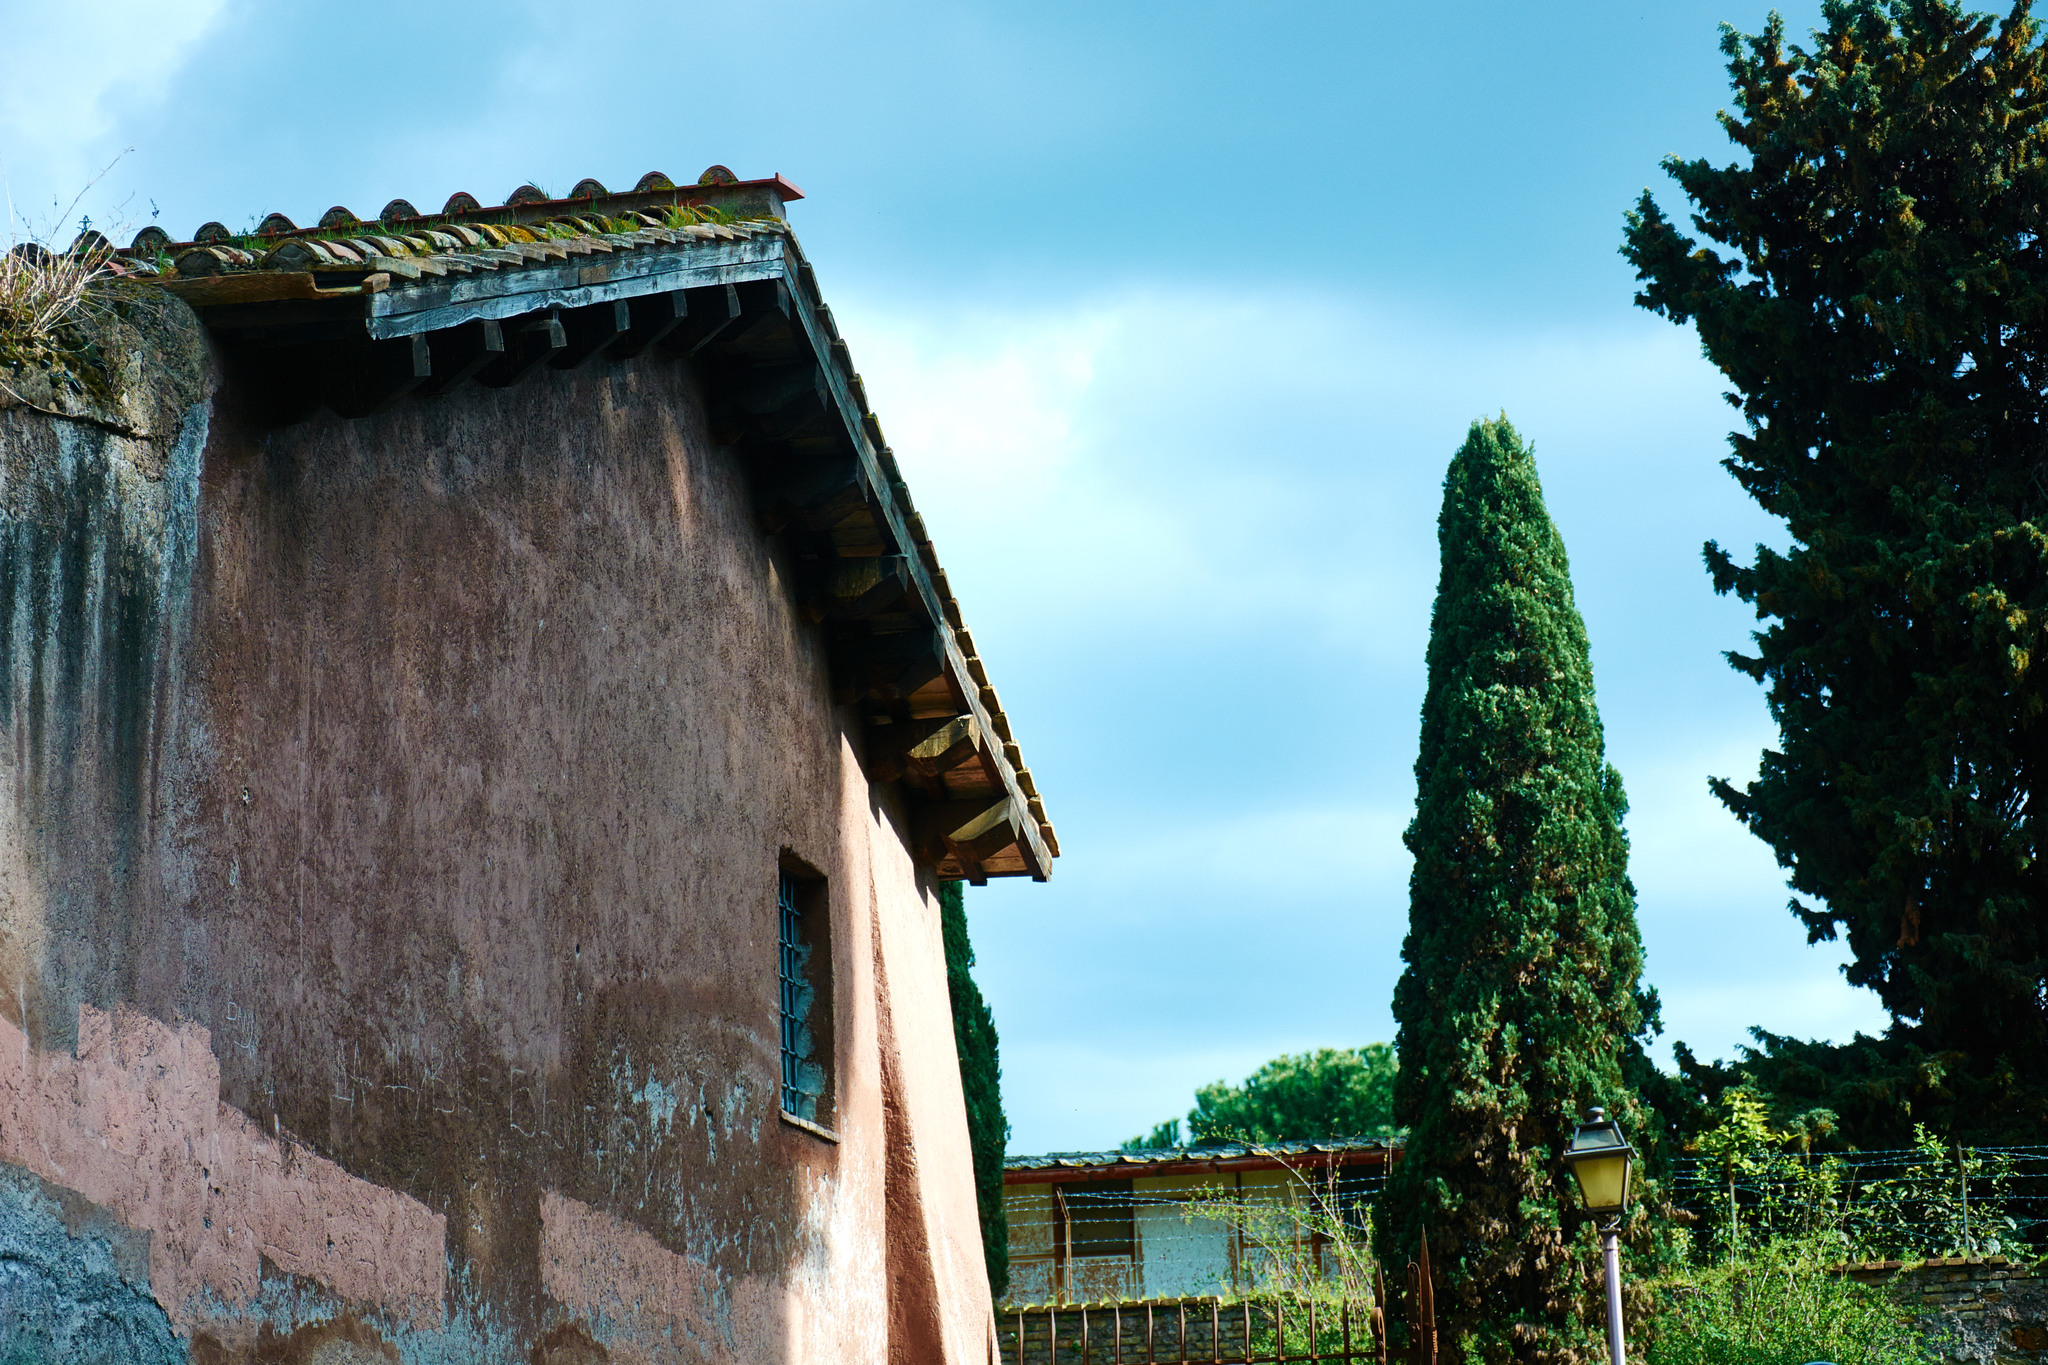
(1780, 1306)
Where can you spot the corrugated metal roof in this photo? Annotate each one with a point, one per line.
(1119, 1164)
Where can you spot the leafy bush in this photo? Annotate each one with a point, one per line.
(1780, 1306)
(1750, 1180)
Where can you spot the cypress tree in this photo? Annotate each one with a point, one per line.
(1518, 1004)
(981, 1074)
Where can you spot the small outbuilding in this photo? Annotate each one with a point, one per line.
(1182, 1222)
(483, 729)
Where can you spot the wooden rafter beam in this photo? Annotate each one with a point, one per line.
(854, 589)
(925, 749)
(528, 343)
(887, 668)
(359, 380)
(654, 316)
(586, 331)
(974, 834)
(459, 352)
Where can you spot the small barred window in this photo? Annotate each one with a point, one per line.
(803, 1075)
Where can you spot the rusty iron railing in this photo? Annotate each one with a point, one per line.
(1265, 1331)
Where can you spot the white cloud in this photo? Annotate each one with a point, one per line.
(1196, 536)
(67, 72)
(989, 406)
(1682, 840)
(1235, 459)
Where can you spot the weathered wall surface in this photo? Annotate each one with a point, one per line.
(1975, 1310)
(74, 1281)
(388, 847)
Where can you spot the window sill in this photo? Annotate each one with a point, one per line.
(815, 1130)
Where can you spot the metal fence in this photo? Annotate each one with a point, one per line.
(1266, 1331)
(1919, 1201)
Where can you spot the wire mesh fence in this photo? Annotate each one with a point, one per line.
(1910, 1202)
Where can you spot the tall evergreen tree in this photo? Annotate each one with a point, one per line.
(1518, 1005)
(1876, 292)
(981, 1078)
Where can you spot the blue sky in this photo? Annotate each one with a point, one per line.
(1174, 315)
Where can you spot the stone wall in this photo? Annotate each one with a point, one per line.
(1977, 1310)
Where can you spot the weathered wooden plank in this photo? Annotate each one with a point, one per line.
(267, 287)
(508, 293)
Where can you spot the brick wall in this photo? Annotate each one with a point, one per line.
(1976, 1310)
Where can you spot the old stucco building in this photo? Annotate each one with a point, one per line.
(1168, 1223)
(484, 727)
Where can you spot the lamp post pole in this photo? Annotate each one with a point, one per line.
(1601, 1162)
(1610, 1252)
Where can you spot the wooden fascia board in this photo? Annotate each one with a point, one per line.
(573, 284)
(1031, 838)
(1071, 1175)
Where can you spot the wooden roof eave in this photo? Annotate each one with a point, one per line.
(998, 832)
(1031, 842)
(574, 284)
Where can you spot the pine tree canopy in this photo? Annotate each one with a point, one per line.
(981, 1080)
(1330, 1092)
(1875, 289)
(1518, 1003)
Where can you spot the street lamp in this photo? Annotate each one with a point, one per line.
(1601, 1162)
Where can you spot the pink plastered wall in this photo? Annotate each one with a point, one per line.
(134, 1123)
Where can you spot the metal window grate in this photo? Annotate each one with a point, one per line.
(799, 1088)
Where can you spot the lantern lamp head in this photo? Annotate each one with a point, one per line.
(1601, 1161)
